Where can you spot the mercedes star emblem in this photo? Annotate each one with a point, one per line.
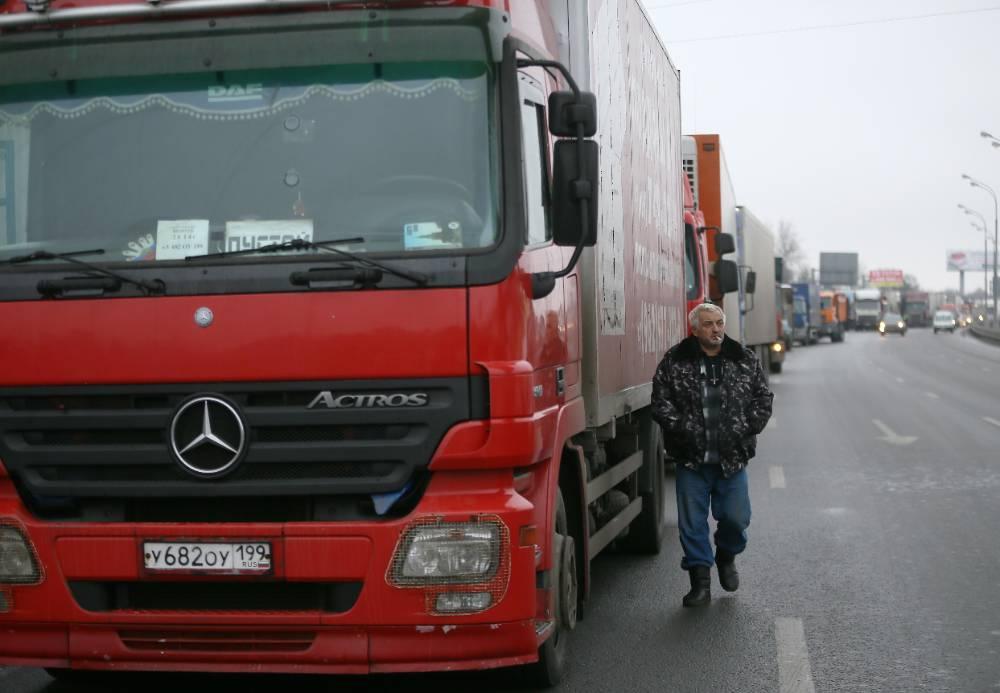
(207, 435)
(203, 317)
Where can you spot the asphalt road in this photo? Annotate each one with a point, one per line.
(874, 556)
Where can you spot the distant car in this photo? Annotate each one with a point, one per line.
(892, 322)
(944, 320)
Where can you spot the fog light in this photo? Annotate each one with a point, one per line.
(17, 564)
(454, 602)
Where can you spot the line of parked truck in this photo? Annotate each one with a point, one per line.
(817, 312)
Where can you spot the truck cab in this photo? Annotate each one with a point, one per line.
(833, 315)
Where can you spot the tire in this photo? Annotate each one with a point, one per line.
(935, 330)
(553, 655)
(776, 366)
(645, 534)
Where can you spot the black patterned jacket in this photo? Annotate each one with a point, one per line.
(677, 404)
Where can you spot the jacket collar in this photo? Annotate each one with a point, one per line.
(689, 349)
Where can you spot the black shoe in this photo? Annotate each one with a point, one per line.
(729, 577)
(701, 586)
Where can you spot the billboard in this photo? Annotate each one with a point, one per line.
(969, 261)
(838, 269)
(886, 278)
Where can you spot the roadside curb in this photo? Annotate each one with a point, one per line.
(986, 334)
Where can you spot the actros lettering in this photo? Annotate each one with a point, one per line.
(330, 401)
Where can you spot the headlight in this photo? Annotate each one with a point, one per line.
(881, 327)
(448, 553)
(17, 561)
(777, 347)
(899, 325)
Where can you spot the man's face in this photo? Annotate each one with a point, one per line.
(710, 329)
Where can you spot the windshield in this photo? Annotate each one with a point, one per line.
(868, 304)
(162, 168)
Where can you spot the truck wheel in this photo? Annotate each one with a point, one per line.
(776, 366)
(645, 534)
(553, 655)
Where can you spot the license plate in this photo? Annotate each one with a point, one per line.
(207, 557)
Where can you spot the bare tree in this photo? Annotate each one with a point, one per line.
(790, 248)
(911, 283)
(805, 274)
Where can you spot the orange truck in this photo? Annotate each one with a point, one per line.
(833, 311)
(752, 315)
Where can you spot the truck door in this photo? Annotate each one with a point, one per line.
(547, 331)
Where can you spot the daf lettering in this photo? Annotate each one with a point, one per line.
(328, 400)
(236, 92)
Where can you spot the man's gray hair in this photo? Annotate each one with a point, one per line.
(701, 308)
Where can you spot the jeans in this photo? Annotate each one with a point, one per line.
(730, 502)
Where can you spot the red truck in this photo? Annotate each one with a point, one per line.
(329, 328)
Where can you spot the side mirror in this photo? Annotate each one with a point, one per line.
(566, 111)
(727, 276)
(724, 243)
(573, 181)
(751, 283)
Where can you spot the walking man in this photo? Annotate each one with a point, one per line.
(711, 400)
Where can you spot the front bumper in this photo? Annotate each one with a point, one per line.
(252, 649)
(385, 629)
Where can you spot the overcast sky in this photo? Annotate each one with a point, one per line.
(857, 135)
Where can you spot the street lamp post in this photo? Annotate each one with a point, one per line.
(986, 252)
(996, 233)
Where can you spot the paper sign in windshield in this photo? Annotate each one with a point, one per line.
(177, 239)
(250, 235)
(428, 234)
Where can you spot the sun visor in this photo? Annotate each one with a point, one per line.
(338, 37)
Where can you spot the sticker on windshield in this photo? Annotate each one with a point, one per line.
(177, 239)
(248, 235)
(141, 249)
(426, 235)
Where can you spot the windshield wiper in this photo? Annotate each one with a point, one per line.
(327, 246)
(157, 286)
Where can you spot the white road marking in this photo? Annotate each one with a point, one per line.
(794, 672)
(774, 380)
(890, 436)
(777, 476)
(992, 421)
(932, 395)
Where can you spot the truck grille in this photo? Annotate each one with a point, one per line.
(110, 453)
